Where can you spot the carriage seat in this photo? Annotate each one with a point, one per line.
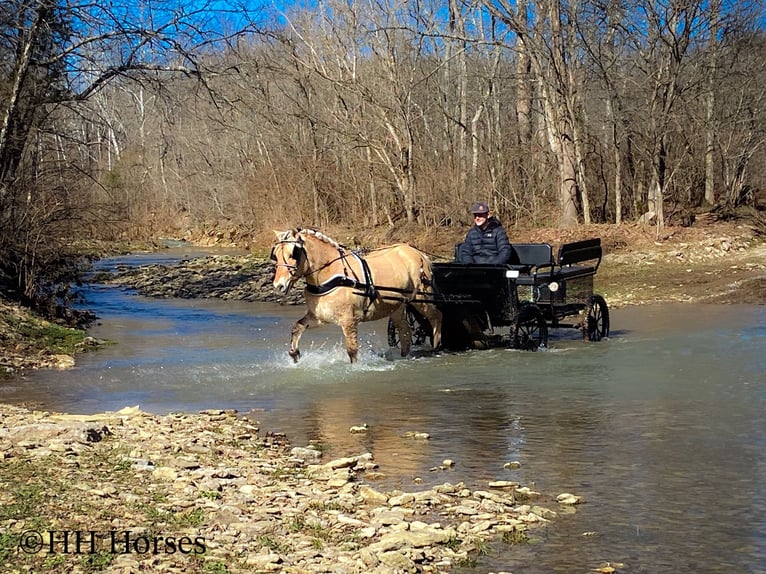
(578, 259)
(528, 256)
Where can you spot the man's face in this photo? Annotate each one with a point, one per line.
(480, 219)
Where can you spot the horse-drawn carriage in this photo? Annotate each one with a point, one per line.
(457, 306)
(514, 305)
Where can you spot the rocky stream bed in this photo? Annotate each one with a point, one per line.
(130, 492)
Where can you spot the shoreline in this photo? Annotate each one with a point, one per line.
(208, 492)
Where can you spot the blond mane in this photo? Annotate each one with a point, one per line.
(322, 237)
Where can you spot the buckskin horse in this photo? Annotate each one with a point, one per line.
(344, 288)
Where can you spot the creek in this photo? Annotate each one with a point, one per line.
(660, 428)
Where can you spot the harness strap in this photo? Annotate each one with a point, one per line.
(372, 293)
(330, 284)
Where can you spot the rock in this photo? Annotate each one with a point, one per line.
(307, 455)
(268, 562)
(372, 496)
(567, 498)
(165, 473)
(342, 462)
(412, 539)
(62, 362)
(401, 499)
(527, 492)
(246, 500)
(398, 561)
(502, 484)
(389, 517)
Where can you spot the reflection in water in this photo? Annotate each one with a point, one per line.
(661, 428)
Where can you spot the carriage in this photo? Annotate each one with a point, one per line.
(515, 305)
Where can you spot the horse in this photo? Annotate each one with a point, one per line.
(344, 288)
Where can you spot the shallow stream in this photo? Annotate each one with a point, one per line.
(661, 428)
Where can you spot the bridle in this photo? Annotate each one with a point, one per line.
(298, 252)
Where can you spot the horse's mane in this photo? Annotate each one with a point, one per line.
(321, 237)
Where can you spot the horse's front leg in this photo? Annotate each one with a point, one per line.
(308, 320)
(351, 334)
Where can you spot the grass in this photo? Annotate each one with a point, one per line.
(314, 529)
(193, 518)
(215, 567)
(324, 506)
(9, 543)
(513, 537)
(97, 561)
(58, 339)
(267, 541)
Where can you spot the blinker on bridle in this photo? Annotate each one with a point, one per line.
(296, 254)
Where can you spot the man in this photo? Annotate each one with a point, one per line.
(486, 241)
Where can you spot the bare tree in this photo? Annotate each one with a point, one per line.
(60, 55)
(546, 42)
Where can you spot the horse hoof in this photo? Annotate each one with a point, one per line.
(295, 355)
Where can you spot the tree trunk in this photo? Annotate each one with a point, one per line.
(710, 107)
(616, 160)
(13, 132)
(373, 191)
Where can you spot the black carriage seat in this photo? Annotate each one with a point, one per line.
(526, 257)
(588, 253)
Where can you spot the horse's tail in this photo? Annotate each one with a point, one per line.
(426, 270)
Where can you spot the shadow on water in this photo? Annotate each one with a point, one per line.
(660, 428)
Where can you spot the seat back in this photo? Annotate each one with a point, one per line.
(579, 251)
(528, 255)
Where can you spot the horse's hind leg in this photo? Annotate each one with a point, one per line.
(351, 334)
(405, 333)
(308, 320)
(434, 317)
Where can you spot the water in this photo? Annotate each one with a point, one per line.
(660, 428)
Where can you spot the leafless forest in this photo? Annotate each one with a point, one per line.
(143, 118)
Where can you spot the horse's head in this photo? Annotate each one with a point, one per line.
(289, 256)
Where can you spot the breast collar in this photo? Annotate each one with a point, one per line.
(344, 280)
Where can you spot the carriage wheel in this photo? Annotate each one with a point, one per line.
(530, 331)
(595, 325)
(419, 333)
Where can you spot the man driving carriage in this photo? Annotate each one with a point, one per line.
(486, 241)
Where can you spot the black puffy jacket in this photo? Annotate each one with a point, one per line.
(488, 245)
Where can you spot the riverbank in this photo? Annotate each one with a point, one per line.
(128, 491)
(27, 341)
(722, 263)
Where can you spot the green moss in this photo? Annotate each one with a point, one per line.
(54, 337)
(215, 567)
(515, 537)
